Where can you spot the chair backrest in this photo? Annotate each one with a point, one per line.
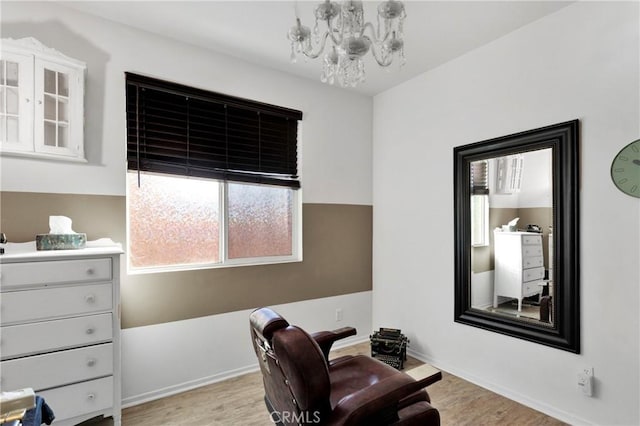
(294, 370)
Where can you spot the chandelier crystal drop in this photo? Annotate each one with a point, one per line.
(349, 39)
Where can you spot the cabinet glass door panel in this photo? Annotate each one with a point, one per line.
(13, 130)
(50, 134)
(63, 111)
(50, 82)
(49, 108)
(10, 101)
(56, 114)
(12, 73)
(63, 84)
(63, 136)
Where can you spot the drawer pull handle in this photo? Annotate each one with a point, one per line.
(90, 271)
(91, 362)
(91, 397)
(90, 298)
(90, 330)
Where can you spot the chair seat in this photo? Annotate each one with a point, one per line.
(349, 374)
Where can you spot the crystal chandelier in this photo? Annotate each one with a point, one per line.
(345, 30)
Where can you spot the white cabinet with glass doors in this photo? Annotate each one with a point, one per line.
(41, 101)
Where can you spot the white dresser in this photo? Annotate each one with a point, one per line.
(519, 265)
(60, 329)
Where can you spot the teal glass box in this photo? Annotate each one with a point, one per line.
(60, 241)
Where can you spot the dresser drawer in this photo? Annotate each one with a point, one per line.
(529, 289)
(532, 274)
(81, 398)
(57, 368)
(60, 271)
(25, 339)
(32, 305)
(531, 251)
(532, 262)
(531, 239)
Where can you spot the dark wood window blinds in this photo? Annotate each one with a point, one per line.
(176, 129)
(479, 177)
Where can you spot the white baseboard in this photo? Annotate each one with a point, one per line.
(186, 386)
(501, 390)
(216, 378)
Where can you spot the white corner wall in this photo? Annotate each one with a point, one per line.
(580, 62)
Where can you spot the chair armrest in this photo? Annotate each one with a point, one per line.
(379, 402)
(325, 339)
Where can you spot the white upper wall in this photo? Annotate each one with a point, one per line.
(535, 189)
(580, 62)
(335, 130)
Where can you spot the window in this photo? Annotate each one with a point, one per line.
(212, 179)
(479, 203)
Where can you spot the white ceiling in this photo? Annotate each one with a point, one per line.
(255, 31)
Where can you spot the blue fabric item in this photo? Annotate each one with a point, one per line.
(39, 414)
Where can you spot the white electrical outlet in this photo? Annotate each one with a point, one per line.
(339, 314)
(585, 381)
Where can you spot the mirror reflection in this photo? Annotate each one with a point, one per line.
(511, 211)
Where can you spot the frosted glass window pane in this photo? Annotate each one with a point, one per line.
(172, 220)
(12, 101)
(259, 221)
(2, 66)
(12, 129)
(49, 81)
(2, 90)
(63, 139)
(49, 108)
(49, 134)
(12, 74)
(3, 125)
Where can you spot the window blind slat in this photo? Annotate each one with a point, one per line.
(176, 129)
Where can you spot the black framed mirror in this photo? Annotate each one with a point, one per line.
(516, 209)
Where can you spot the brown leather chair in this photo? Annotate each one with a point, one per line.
(302, 386)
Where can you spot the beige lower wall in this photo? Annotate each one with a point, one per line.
(337, 251)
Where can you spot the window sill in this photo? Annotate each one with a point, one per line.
(42, 156)
(195, 267)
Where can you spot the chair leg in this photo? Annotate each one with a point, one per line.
(276, 419)
(545, 311)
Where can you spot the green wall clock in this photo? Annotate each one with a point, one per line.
(625, 169)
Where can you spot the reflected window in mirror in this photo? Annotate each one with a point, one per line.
(479, 172)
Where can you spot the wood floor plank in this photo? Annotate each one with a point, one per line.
(239, 402)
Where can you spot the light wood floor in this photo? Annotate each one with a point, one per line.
(239, 401)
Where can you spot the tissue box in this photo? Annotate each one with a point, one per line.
(60, 241)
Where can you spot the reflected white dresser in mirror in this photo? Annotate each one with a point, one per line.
(519, 265)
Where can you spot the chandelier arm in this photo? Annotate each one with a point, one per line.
(373, 37)
(374, 52)
(331, 31)
(323, 42)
